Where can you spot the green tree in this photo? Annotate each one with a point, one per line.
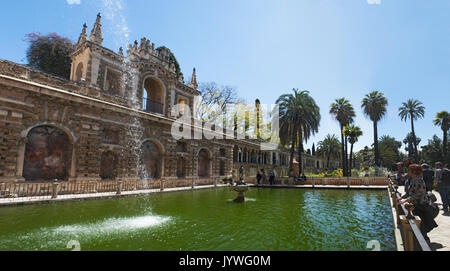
(50, 54)
(375, 107)
(389, 151)
(329, 148)
(432, 152)
(353, 133)
(299, 120)
(365, 157)
(342, 110)
(409, 142)
(413, 110)
(443, 120)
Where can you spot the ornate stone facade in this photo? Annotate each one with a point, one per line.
(111, 120)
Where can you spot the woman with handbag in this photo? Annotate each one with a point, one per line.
(418, 196)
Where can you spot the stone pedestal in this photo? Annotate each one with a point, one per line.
(241, 189)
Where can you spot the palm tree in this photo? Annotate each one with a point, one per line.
(342, 110)
(299, 120)
(375, 107)
(329, 147)
(414, 110)
(443, 120)
(353, 133)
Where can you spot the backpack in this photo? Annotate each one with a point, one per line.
(445, 177)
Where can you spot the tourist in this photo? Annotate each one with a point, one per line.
(272, 177)
(263, 176)
(418, 196)
(399, 175)
(428, 177)
(442, 177)
(258, 177)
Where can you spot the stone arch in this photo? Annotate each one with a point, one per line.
(108, 165)
(153, 95)
(73, 139)
(235, 154)
(204, 165)
(151, 160)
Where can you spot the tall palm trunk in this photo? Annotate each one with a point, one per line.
(350, 166)
(300, 153)
(328, 159)
(293, 141)
(444, 143)
(346, 157)
(375, 142)
(416, 154)
(344, 163)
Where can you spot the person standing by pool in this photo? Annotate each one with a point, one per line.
(418, 196)
(399, 175)
(428, 177)
(272, 177)
(263, 176)
(258, 177)
(442, 177)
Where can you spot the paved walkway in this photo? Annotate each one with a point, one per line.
(440, 236)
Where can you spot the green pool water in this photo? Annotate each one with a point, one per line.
(271, 220)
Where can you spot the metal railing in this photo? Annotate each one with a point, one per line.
(152, 106)
(408, 223)
(23, 192)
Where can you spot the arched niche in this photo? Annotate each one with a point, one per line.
(79, 71)
(204, 163)
(108, 166)
(151, 160)
(47, 154)
(181, 168)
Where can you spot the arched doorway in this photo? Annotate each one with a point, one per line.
(204, 164)
(151, 161)
(235, 154)
(153, 96)
(181, 168)
(108, 166)
(48, 154)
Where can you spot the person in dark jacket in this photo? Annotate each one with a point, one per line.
(258, 177)
(418, 196)
(428, 177)
(272, 177)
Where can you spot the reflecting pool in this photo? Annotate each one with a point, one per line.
(272, 219)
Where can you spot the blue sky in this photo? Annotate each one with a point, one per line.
(333, 48)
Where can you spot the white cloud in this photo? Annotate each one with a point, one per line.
(374, 2)
(73, 2)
